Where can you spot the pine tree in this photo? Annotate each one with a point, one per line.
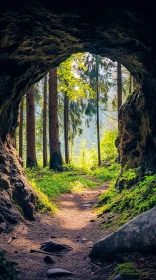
(45, 161)
(31, 160)
(74, 89)
(66, 127)
(97, 110)
(97, 72)
(55, 154)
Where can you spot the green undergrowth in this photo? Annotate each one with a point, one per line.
(127, 269)
(87, 158)
(128, 203)
(49, 185)
(106, 173)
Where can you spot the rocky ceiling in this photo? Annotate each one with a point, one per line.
(38, 35)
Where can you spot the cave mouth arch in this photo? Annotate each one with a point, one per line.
(35, 37)
(38, 39)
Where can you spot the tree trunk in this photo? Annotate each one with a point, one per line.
(119, 90)
(55, 155)
(45, 162)
(97, 111)
(21, 132)
(66, 127)
(31, 145)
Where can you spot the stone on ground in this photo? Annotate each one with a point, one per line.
(57, 272)
(51, 246)
(48, 260)
(125, 277)
(138, 235)
(118, 277)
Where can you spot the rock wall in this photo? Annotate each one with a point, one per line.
(137, 137)
(133, 130)
(37, 35)
(14, 188)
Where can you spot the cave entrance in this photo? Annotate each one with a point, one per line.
(73, 75)
(36, 39)
(77, 78)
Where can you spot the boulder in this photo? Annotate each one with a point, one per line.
(138, 235)
(57, 272)
(50, 246)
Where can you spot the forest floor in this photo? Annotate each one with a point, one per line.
(75, 225)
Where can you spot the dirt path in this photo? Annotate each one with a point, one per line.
(75, 225)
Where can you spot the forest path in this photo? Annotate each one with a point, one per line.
(75, 225)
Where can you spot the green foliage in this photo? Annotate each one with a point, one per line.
(97, 65)
(98, 74)
(50, 185)
(87, 158)
(76, 79)
(70, 167)
(126, 87)
(108, 149)
(44, 205)
(128, 178)
(73, 85)
(69, 78)
(104, 174)
(129, 202)
(129, 174)
(7, 271)
(127, 269)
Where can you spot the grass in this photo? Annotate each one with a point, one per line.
(129, 202)
(105, 174)
(44, 205)
(122, 206)
(49, 185)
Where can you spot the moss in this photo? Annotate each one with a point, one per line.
(127, 269)
(128, 203)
